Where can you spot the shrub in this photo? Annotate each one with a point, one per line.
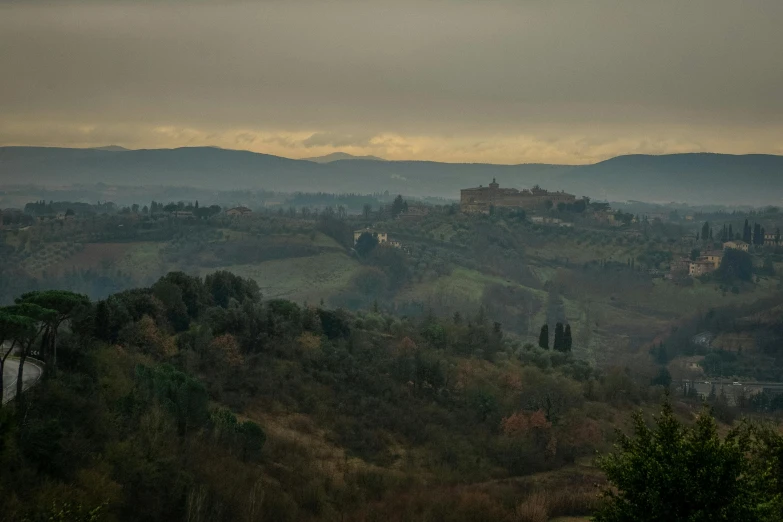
(533, 509)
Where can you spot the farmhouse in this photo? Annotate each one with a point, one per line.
(239, 211)
(481, 199)
(736, 245)
(605, 217)
(382, 237)
(700, 267)
(546, 220)
(714, 257)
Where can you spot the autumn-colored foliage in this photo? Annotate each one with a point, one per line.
(146, 335)
(227, 347)
(522, 423)
(406, 347)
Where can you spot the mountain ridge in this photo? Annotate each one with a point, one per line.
(700, 178)
(341, 156)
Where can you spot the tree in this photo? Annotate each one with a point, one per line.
(13, 328)
(171, 296)
(224, 286)
(567, 339)
(557, 344)
(663, 378)
(543, 337)
(397, 206)
(40, 319)
(365, 244)
(367, 211)
(747, 235)
(705, 230)
(183, 395)
(64, 303)
(194, 293)
(675, 473)
(735, 264)
(370, 281)
(695, 253)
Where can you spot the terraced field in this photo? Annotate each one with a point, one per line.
(300, 279)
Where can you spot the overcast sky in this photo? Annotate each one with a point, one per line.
(517, 81)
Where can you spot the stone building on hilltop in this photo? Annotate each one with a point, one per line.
(481, 199)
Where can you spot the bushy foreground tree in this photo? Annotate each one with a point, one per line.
(671, 472)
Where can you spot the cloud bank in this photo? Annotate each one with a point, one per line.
(492, 81)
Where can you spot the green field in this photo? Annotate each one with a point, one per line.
(300, 279)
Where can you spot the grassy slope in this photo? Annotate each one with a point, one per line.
(300, 279)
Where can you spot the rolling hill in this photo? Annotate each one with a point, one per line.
(698, 178)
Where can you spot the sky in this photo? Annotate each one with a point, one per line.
(496, 81)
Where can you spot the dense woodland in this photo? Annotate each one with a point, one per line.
(195, 399)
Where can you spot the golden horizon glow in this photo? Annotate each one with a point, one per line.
(497, 148)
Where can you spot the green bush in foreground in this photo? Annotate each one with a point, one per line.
(674, 473)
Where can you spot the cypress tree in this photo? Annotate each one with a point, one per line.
(746, 233)
(558, 342)
(731, 233)
(543, 337)
(568, 341)
(705, 230)
(757, 238)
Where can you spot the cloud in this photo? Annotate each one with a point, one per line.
(337, 140)
(497, 80)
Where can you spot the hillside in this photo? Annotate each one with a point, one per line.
(522, 275)
(695, 178)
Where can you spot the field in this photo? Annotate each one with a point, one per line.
(300, 279)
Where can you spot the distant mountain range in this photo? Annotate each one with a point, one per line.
(700, 178)
(337, 156)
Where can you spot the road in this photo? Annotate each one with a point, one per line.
(704, 387)
(32, 372)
